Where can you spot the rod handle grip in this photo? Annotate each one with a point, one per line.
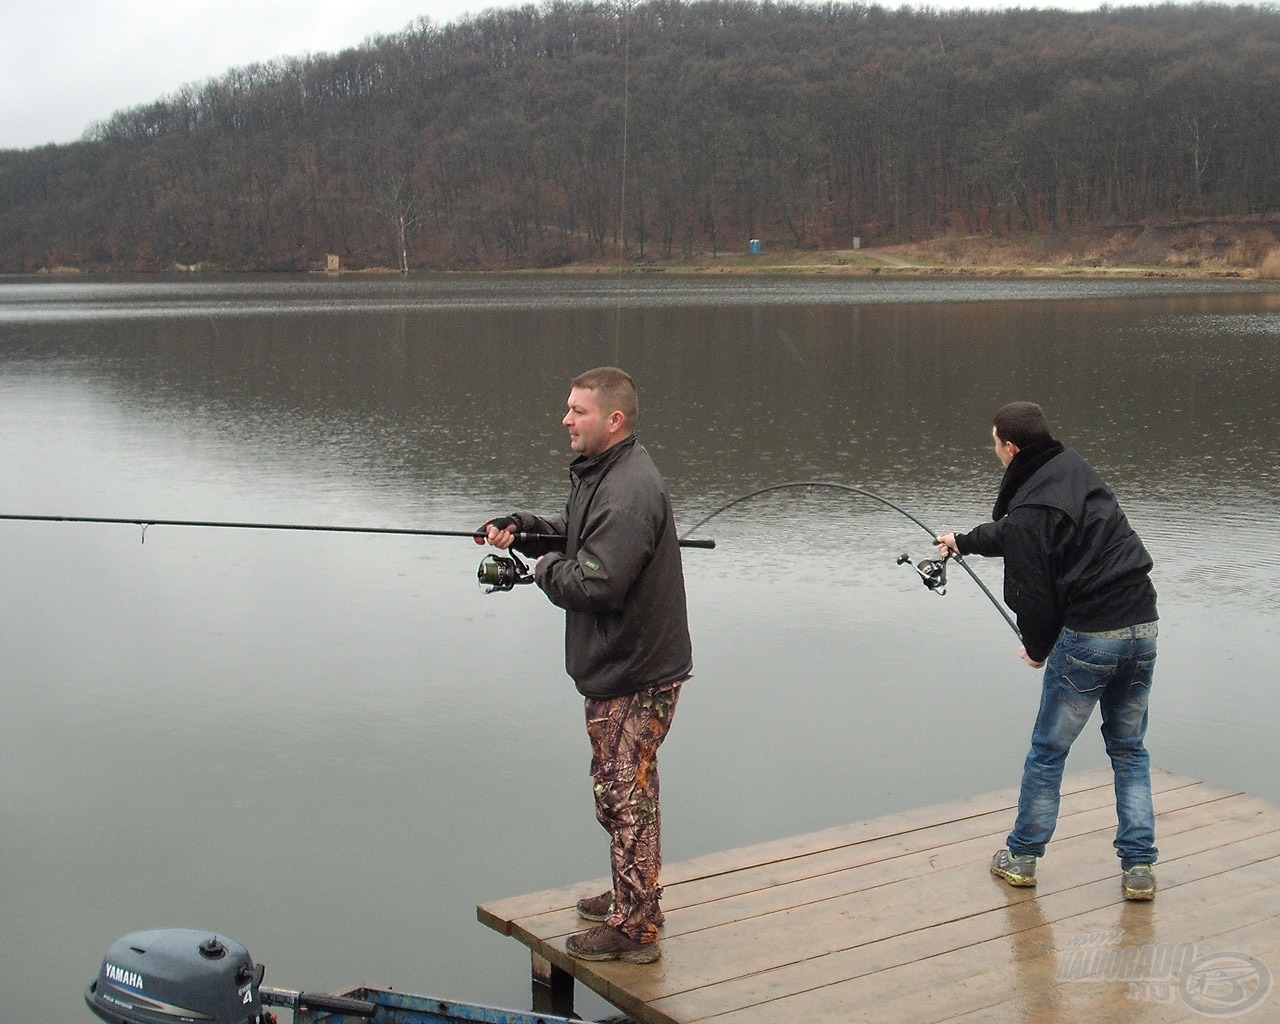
(316, 1001)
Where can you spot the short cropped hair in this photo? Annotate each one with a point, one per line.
(1022, 423)
(615, 390)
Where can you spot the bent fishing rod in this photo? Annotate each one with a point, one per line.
(932, 571)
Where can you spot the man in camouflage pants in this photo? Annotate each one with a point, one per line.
(620, 580)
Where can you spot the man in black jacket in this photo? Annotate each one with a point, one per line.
(1078, 579)
(620, 580)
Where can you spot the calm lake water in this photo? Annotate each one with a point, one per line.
(331, 747)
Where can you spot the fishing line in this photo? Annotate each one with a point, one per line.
(932, 583)
(622, 201)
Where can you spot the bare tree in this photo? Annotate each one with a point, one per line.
(399, 204)
(498, 140)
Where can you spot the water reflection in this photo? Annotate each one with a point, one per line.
(260, 732)
(43, 300)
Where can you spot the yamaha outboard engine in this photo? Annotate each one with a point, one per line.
(172, 975)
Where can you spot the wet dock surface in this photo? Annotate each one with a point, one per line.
(898, 919)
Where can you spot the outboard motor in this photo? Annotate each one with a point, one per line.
(171, 975)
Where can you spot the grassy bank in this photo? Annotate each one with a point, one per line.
(1241, 248)
(1196, 249)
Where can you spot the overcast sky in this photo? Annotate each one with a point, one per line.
(65, 64)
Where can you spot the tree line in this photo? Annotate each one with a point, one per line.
(541, 134)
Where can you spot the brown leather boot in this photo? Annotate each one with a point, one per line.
(598, 908)
(605, 943)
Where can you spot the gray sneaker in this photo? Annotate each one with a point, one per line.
(1139, 882)
(1017, 870)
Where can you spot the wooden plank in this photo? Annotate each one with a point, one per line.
(905, 948)
(918, 930)
(776, 863)
(876, 874)
(1045, 978)
(769, 887)
(879, 905)
(495, 913)
(570, 923)
(962, 978)
(901, 913)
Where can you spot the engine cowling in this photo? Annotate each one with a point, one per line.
(173, 975)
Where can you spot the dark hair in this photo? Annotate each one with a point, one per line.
(614, 389)
(1022, 423)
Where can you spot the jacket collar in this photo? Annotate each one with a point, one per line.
(1024, 466)
(584, 466)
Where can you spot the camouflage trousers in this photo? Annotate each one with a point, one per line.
(625, 734)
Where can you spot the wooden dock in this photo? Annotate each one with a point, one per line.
(899, 920)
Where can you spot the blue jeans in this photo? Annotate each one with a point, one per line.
(1113, 670)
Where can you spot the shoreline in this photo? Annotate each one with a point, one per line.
(1245, 248)
(861, 264)
(869, 263)
(1203, 251)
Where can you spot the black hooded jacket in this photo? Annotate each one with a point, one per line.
(1070, 557)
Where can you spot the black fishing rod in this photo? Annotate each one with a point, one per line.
(496, 573)
(145, 524)
(932, 571)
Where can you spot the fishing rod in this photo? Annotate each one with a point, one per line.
(932, 571)
(495, 572)
(146, 523)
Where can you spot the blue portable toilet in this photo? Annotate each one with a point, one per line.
(754, 246)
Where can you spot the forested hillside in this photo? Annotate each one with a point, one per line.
(533, 136)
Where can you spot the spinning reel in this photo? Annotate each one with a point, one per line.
(502, 572)
(932, 572)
